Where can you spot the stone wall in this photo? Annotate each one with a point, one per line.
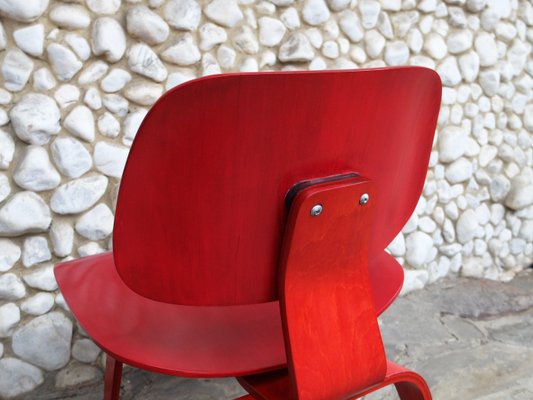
(78, 77)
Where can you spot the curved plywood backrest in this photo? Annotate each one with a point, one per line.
(201, 211)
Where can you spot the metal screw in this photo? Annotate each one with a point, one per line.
(316, 210)
(364, 199)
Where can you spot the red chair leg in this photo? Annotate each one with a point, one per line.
(113, 377)
(413, 391)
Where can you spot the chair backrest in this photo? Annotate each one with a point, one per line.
(201, 210)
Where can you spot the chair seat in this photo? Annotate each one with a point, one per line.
(187, 340)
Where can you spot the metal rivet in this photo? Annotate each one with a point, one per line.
(364, 199)
(316, 210)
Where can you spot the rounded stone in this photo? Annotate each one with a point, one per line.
(70, 16)
(34, 170)
(35, 118)
(24, 11)
(145, 25)
(183, 14)
(96, 224)
(71, 157)
(78, 195)
(18, 377)
(9, 254)
(44, 341)
(24, 212)
(108, 39)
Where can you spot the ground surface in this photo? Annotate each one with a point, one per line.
(471, 339)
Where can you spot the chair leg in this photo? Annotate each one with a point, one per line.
(113, 377)
(413, 391)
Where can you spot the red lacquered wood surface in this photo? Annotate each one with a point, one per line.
(112, 379)
(174, 339)
(200, 211)
(276, 385)
(332, 337)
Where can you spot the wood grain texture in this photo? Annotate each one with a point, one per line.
(332, 338)
(201, 205)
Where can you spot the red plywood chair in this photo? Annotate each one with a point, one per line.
(250, 231)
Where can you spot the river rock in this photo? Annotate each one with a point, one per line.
(145, 25)
(71, 157)
(224, 12)
(35, 117)
(11, 287)
(184, 51)
(108, 39)
(62, 236)
(143, 60)
(110, 159)
(70, 16)
(78, 195)
(80, 122)
(24, 11)
(44, 341)
(18, 377)
(16, 70)
(34, 171)
(63, 61)
(183, 14)
(96, 224)
(24, 212)
(38, 304)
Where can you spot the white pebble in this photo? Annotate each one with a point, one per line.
(271, 31)
(183, 14)
(296, 48)
(224, 12)
(43, 79)
(108, 125)
(38, 304)
(62, 237)
(145, 25)
(143, 60)
(315, 12)
(35, 117)
(24, 212)
(103, 6)
(184, 51)
(9, 255)
(131, 124)
(70, 157)
(70, 16)
(63, 61)
(115, 80)
(34, 171)
(110, 159)
(30, 39)
(78, 195)
(35, 250)
(16, 70)
(80, 122)
(108, 39)
(143, 93)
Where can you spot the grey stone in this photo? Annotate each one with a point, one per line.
(44, 341)
(18, 377)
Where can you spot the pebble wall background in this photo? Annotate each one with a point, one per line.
(78, 77)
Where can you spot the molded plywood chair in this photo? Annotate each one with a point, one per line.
(250, 231)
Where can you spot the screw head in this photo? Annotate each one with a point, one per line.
(316, 210)
(364, 199)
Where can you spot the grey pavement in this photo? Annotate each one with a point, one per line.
(471, 339)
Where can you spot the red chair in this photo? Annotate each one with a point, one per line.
(233, 178)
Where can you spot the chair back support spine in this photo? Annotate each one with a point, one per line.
(334, 347)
